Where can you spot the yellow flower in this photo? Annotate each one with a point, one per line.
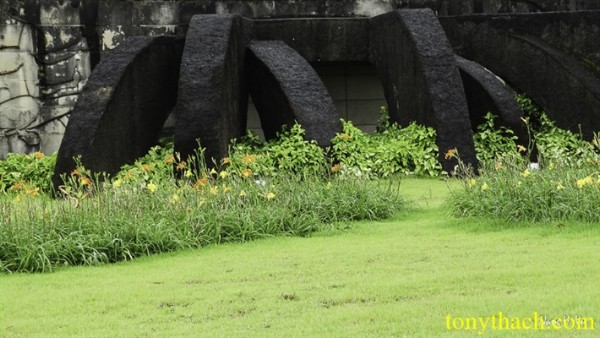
(226, 188)
(152, 187)
(247, 172)
(84, 180)
(223, 174)
(170, 159)
(526, 173)
(345, 137)
(117, 183)
(336, 168)
(181, 165)
(214, 190)
(451, 153)
(226, 160)
(145, 167)
(270, 196)
(551, 166)
(582, 182)
(248, 159)
(484, 187)
(38, 155)
(472, 182)
(174, 198)
(17, 199)
(75, 172)
(498, 165)
(188, 173)
(242, 193)
(213, 171)
(202, 202)
(560, 187)
(521, 149)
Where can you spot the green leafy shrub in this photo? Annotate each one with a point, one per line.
(289, 154)
(565, 186)
(28, 174)
(492, 142)
(409, 151)
(557, 146)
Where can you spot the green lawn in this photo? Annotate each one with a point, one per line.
(401, 277)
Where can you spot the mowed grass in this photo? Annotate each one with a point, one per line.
(395, 278)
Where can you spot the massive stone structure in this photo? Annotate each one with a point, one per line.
(123, 107)
(286, 90)
(49, 48)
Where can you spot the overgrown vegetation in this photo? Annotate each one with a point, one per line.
(285, 186)
(564, 185)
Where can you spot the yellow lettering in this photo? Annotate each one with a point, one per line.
(460, 324)
(471, 323)
(527, 326)
(501, 321)
(515, 324)
(448, 322)
(585, 322)
(538, 320)
(484, 324)
(568, 321)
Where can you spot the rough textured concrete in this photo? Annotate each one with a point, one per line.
(563, 78)
(212, 99)
(421, 79)
(285, 89)
(487, 93)
(320, 40)
(123, 106)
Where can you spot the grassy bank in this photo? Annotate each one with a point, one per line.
(392, 278)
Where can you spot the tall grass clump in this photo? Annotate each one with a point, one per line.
(144, 209)
(563, 186)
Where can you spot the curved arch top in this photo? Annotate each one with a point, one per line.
(123, 106)
(422, 83)
(285, 89)
(212, 99)
(564, 86)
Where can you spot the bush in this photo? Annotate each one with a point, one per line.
(29, 174)
(409, 151)
(113, 222)
(281, 187)
(564, 186)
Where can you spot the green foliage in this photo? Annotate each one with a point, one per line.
(512, 191)
(410, 151)
(492, 141)
(124, 221)
(30, 174)
(557, 146)
(289, 154)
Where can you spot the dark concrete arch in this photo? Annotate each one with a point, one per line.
(212, 98)
(286, 89)
(421, 79)
(487, 93)
(523, 50)
(123, 106)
